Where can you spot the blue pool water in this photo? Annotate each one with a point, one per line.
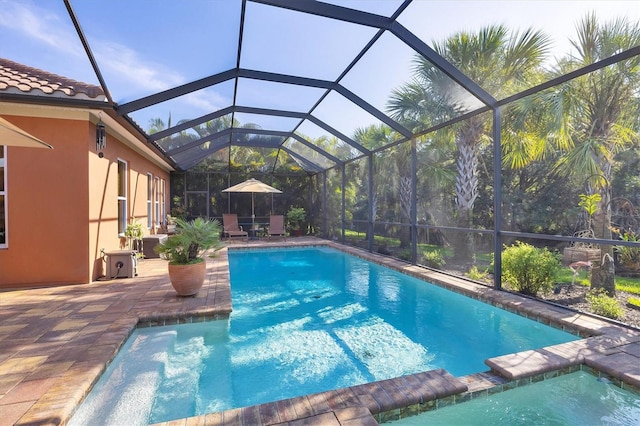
(304, 321)
(573, 399)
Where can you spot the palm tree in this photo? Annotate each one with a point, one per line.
(384, 181)
(173, 141)
(372, 137)
(598, 112)
(156, 125)
(499, 61)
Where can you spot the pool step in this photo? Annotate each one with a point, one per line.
(182, 371)
(136, 381)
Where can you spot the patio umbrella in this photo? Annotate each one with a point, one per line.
(253, 185)
(13, 135)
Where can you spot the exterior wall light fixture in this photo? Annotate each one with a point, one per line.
(101, 138)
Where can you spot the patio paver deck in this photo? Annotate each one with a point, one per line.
(55, 343)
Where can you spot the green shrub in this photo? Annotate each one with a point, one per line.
(529, 270)
(404, 255)
(604, 305)
(629, 257)
(477, 275)
(433, 259)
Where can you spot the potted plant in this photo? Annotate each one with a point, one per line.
(170, 225)
(295, 218)
(185, 252)
(134, 233)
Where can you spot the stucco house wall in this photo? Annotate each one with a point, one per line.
(62, 204)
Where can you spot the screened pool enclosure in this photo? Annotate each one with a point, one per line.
(433, 131)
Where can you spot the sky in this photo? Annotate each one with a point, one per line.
(145, 46)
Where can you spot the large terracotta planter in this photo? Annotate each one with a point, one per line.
(187, 279)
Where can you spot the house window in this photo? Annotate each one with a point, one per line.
(122, 197)
(149, 200)
(3, 197)
(156, 186)
(163, 205)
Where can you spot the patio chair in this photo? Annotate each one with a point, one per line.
(230, 227)
(276, 226)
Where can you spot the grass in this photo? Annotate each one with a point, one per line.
(566, 276)
(629, 285)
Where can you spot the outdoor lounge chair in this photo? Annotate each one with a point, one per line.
(231, 228)
(276, 226)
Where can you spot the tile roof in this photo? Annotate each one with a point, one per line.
(21, 79)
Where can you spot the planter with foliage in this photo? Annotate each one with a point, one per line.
(185, 252)
(134, 233)
(295, 218)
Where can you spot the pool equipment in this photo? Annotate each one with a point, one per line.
(122, 264)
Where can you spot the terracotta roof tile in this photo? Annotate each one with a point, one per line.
(18, 78)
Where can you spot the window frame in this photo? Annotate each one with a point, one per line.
(149, 201)
(156, 201)
(123, 210)
(163, 204)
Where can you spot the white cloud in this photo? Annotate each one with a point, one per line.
(127, 72)
(41, 26)
(117, 60)
(207, 102)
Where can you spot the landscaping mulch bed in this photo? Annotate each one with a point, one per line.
(574, 296)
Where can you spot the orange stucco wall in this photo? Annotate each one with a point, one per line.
(62, 203)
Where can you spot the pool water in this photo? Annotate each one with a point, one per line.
(573, 399)
(304, 321)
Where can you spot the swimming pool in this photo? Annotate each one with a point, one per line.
(578, 398)
(304, 321)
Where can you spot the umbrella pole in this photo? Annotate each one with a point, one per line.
(253, 213)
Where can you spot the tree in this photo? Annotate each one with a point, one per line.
(500, 62)
(373, 137)
(156, 125)
(598, 115)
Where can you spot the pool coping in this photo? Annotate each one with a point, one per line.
(57, 341)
